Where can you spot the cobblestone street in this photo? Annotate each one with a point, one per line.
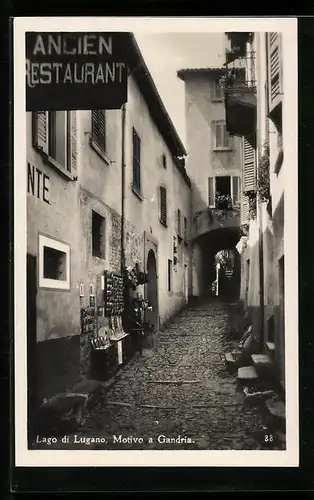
(180, 390)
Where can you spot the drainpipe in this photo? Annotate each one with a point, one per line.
(123, 167)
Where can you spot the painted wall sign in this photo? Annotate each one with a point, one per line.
(37, 183)
(76, 70)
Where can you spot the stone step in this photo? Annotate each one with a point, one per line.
(262, 361)
(231, 361)
(247, 374)
(270, 349)
(276, 407)
(276, 414)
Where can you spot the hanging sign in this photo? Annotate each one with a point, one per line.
(76, 70)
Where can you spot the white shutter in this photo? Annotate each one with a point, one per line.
(218, 134)
(235, 190)
(274, 68)
(40, 130)
(244, 215)
(211, 192)
(249, 165)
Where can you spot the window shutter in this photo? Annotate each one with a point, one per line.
(217, 126)
(274, 68)
(211, 193)
(249, 165)
(73, 140)
(40, 130)
(163, 205)
(136, 161)
(179, 222)
(244, 210)
(228, 139)
(235, 190)
(99, 128)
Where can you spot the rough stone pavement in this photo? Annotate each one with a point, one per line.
(198, 400)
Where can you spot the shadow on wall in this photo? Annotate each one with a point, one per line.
(269, 325)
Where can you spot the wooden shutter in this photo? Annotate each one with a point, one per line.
(185, 228)
(179, 222)
(136, 161)
(211, 192)
(163, 205)
(217, 126)
(72, 117)
(249, 165)
(235, 190)
(99, 128)
(244, 216)
(274, 68)
(40, 130)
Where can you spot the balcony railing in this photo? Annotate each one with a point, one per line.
(240, 104)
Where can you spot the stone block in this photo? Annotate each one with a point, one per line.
(247, 374)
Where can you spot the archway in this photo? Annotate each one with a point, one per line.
(208, 245)
(152, 290)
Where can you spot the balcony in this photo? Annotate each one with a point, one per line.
(212, 218)
(240, 105)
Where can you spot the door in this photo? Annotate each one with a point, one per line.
(152, 291)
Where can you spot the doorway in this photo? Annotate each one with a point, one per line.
(152, 289)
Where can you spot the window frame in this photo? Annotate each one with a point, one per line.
(102, 236)
(48, 283)
(231, 177)
(223, 147)
(215, 85)
(169, 275)
(136, 162)
(45, 147)
(179, 223)
(162, 220)
(102, 151)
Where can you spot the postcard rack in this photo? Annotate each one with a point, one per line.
(113, 294)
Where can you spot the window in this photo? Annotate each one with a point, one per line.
(164, 161)
(136, 162)
(223, 191)
(54, 264)
(179, 222)
(99, 133)
(222, 138)
(169, 275)
(185, 234)
(235, 191)
(54, 135)
(98, 235)
(163, 205)
(58, 137)
(218, 92)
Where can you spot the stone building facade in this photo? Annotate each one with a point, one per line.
(214, 165)
(258, 98)
(106, 189)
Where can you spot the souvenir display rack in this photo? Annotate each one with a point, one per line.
(88, 320)
(113, 294)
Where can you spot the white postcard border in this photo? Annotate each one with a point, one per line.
(47, 458)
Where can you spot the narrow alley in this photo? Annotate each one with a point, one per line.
(180, 391)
